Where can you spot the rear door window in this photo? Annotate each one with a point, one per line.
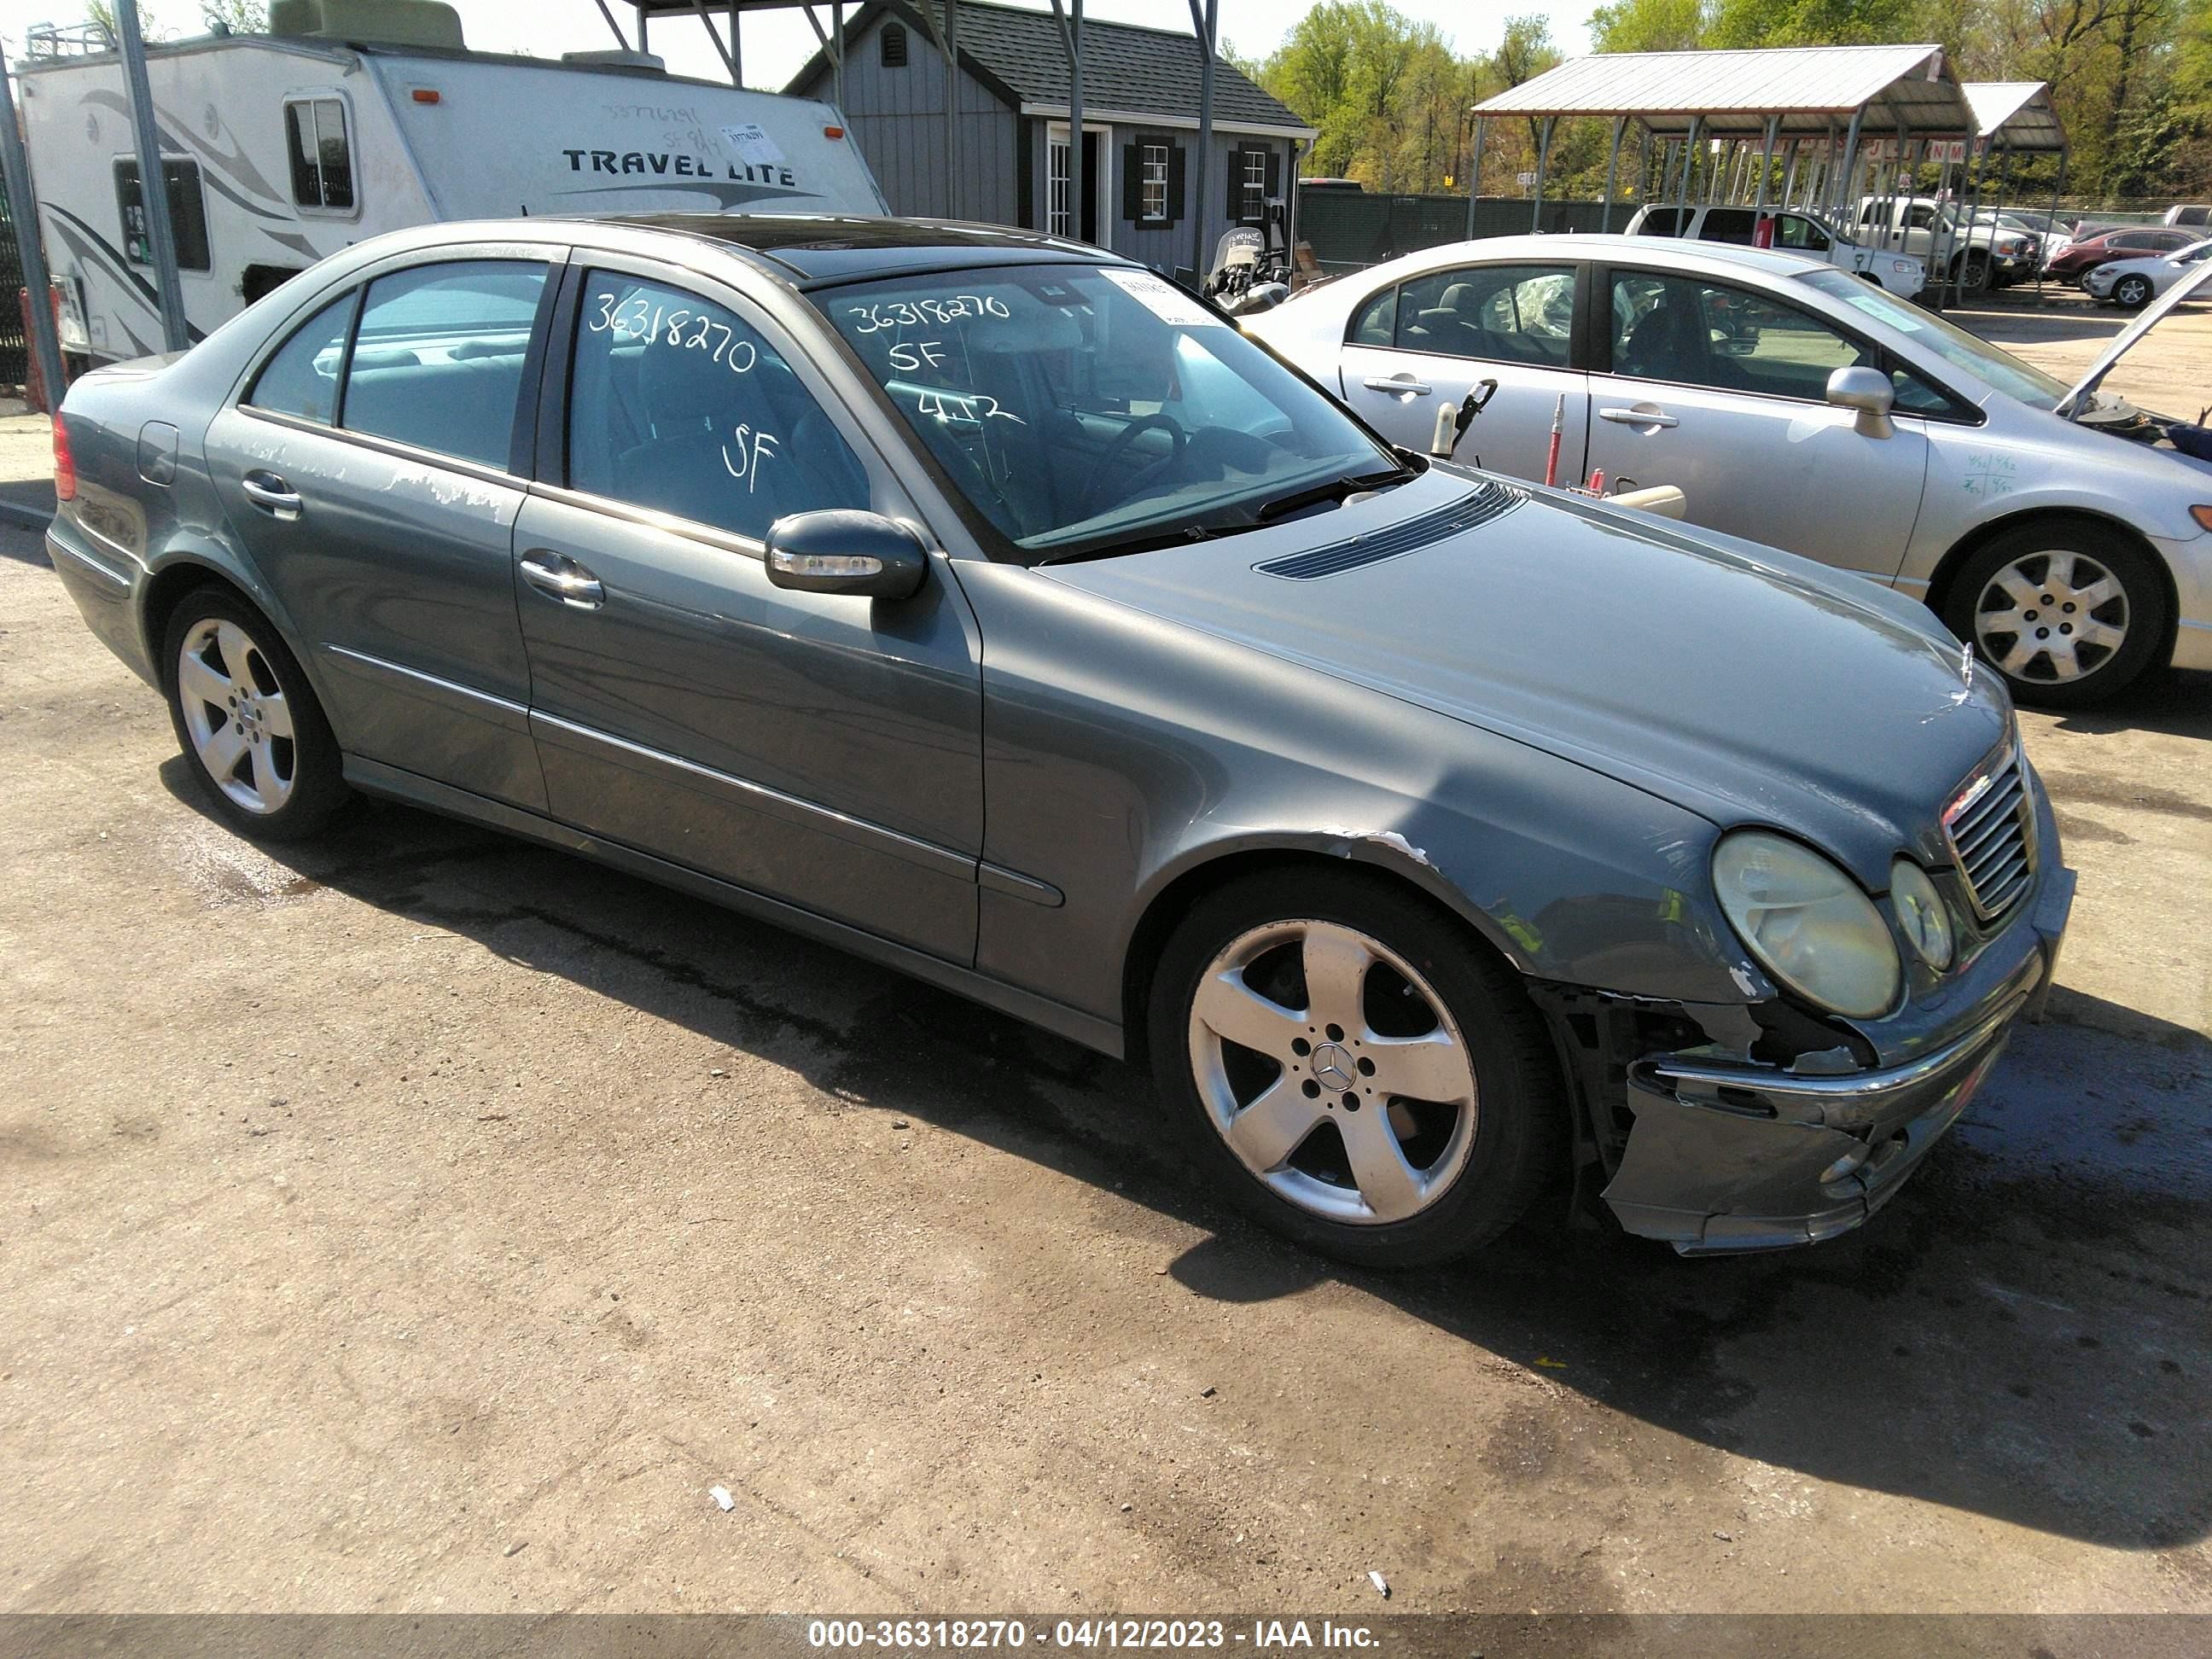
(438, 362)
(1728, 225)
(679, 404)
(1498, 313)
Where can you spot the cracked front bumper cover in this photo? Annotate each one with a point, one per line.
(1727, 1158)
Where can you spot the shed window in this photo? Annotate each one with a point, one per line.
(187, 213)
(892, 43)
(1255, 193)
(1155, 178)
(321, 154)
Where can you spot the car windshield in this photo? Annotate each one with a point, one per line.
(1993, 367)
(2192, 253)
(1086, 410)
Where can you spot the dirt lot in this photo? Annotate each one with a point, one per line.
(421, 1221)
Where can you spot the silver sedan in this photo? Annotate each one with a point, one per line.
(2053, 527)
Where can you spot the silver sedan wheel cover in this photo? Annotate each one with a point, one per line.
(1380, 1092)
(2051, 618)
(235, 715)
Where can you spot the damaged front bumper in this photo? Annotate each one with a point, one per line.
(1723, 1156)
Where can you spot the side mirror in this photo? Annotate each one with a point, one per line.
(839, 550)
(1868, 390)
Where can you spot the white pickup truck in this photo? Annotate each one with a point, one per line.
(1986, 255)
(1793, 231)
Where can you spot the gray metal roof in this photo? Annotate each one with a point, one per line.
(2017, 114)
(1126, 69)
(1734, 92)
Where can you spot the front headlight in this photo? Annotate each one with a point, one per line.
(1808, 923)
(1921, 913)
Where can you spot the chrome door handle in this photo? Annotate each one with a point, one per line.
(1639, 416)
(1404, 386)
(274, 496)
(560, 577)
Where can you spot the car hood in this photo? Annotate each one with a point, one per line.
(2083, 390)
(1742, 684)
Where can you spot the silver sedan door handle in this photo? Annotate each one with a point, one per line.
(271, 494)
(1405, 385)
(1641, 414)
(557, 576)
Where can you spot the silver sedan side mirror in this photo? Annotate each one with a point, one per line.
(841, 550)
(1868, 390)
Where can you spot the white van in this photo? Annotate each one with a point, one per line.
(1793, 231)
(355, 116)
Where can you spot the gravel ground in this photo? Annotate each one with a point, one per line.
(420, 1221)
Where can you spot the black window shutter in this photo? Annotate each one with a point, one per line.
(1132, 183)
(1274, 178)
(1236, 186)
(1174, 183)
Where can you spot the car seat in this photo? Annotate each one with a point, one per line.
(1665, 343)
(692, 407)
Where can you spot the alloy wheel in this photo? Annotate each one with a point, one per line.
(1333, 1071)
(2051, 617)
(236, 716)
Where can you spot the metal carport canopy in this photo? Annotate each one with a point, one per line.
(1729, 94)
(2015, 115)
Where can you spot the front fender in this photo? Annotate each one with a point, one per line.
(1125, 756)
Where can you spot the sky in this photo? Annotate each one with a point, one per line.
(774, 45)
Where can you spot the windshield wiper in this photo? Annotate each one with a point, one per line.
(1180, 536)
(1336, 489)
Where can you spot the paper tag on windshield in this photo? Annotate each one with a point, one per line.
(1894, 315)
(1165, 301)
(752, 145)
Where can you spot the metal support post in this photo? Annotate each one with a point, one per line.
(153, 178)
(1612, 171)
(23, 210)
(1206, 25)
(1543, 160)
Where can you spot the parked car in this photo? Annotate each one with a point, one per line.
(1978, 255)
(2078, 258)
(2131, 284)
(1794, 404)
(1434, 838)
(2189, 215)
(1798, 232)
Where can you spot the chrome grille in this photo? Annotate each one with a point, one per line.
(1991, 828)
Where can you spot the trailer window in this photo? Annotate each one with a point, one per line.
(187, 213)
(322, 156)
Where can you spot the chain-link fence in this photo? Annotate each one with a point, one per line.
(14, 349)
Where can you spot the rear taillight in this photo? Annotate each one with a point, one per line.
(64, 464)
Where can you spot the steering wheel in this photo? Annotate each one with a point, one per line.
(1178, 440)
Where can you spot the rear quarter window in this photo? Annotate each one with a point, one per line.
(302, 378)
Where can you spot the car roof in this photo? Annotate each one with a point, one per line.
(1569, 245)
(829, 247)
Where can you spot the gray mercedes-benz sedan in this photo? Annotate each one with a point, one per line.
(993, 608)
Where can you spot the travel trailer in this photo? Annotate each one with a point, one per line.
(351, 117)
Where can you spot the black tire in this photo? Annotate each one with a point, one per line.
(305, 764)
(2143, 613)
(1971, 273)
(1519, 1120)
(2131, 293)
